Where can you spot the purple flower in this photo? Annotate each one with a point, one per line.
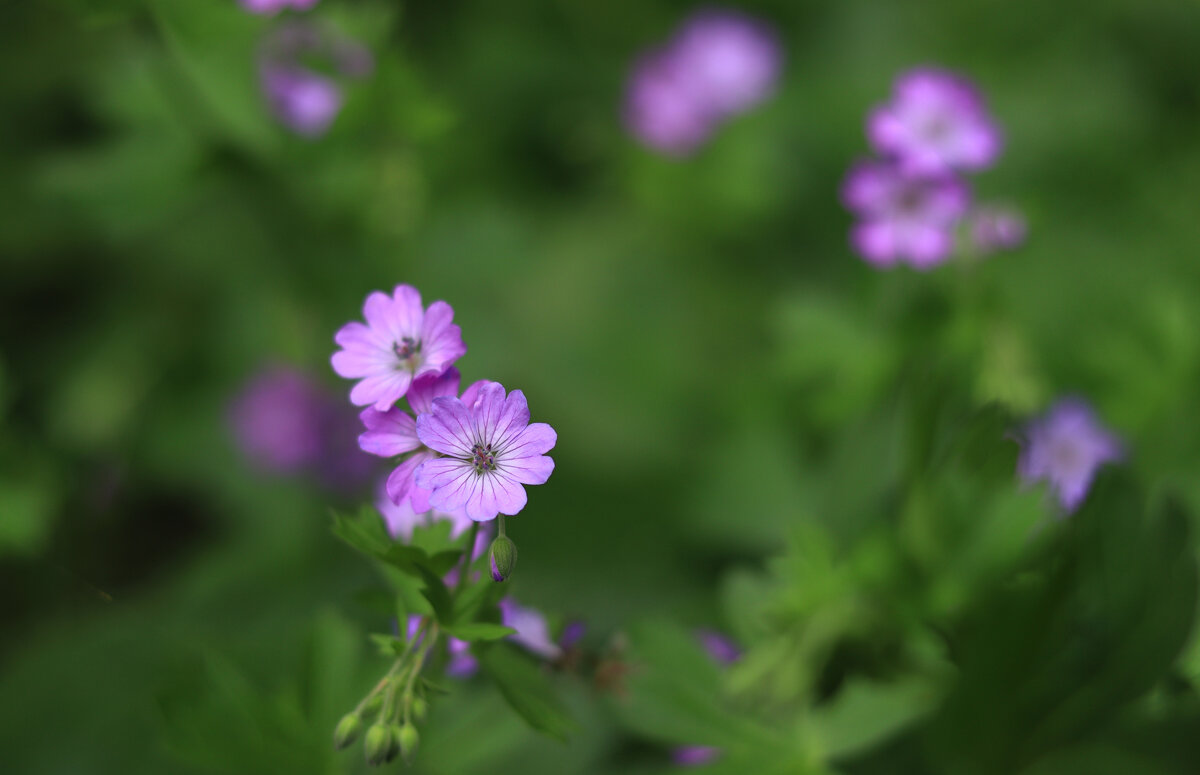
(400, 342)
(903, 217)
(694, 755)
(572, 634)
(462, 662)
(278, 420)
(304, 101)
(532, 632)
(1065, 447)
(720, 647)
(660, 110)
(720, 63)
(491, 451)
(729, 61)
(394, 432)
(993, 229)
(936, 122)
(275, 6)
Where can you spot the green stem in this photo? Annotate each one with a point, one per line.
(501, 518)
(395, 668)
(416, 670)
(466, 560)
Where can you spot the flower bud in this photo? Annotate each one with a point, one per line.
(408, 741)
(419, 708)
(377, 744)
(394, 747)
(346, 731)
(503, 555)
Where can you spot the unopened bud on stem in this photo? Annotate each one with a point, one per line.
(503, 557)
(377, 744)
(346, 731)
(408, 741)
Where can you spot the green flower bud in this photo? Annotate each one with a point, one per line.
(377, 744)
(419, 708)
(408, 741)
(394, 748)
(503, 555)
(347, 731)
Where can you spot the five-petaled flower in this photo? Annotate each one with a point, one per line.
(903, 217)
(400, 342)
(935, 123)
(491, 450)
(394, 433)
(1065, 447)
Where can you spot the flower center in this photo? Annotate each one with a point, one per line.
(483, 457)
(1067, 456)
(408, 350)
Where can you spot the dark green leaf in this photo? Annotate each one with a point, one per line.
(527, 690)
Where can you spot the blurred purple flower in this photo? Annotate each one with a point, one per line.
(1065, 447)
(491, 451)
(659, 109)
(719, 64)
(532, 631)
(572, 634)
(935, 123)
(277, 419)
(993, 229)
(304, 101)
(903, 217)
(275, 6)
(694, 755)
(400, 341)
(401, 519)
(462, 662)
(719, 646)
(730, 62)
(284, 422)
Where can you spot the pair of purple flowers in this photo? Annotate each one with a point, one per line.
(912, 200)
(468, 455)
(718, 65)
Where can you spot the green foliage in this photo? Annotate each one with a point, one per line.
(758, 432)
(527, 690)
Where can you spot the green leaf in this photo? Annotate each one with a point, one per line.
(477, 596)
(438, 596)
(475, 631)
(865, 715)
(365, 532)
(527, 690)
(389, 645)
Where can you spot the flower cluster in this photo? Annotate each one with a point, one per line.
(468, 456)
(719, 64)
(301, 98)
(912, 200)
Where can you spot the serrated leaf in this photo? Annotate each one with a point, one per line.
(527, 690)
(480, 631)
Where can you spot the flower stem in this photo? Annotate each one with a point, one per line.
(466, 560)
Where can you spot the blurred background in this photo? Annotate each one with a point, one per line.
(179, 242)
